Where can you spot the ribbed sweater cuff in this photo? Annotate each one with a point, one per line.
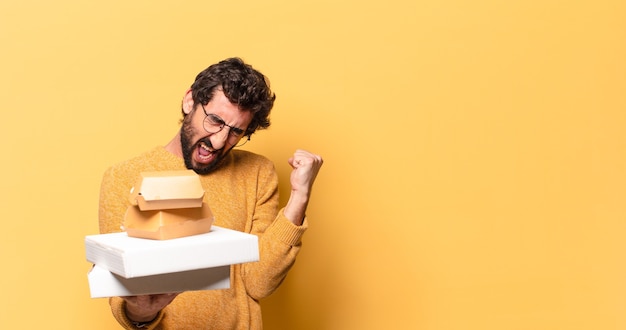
(287, 232)
(118, 305)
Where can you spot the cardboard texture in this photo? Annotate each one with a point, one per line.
(135, 257)
(168, 224)
(167, 205)
(103, 283)
(160, 190)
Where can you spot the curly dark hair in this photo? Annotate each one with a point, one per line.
(243, 85)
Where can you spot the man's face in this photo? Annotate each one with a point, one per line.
(203, 151)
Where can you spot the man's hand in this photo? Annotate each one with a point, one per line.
(146, 308)
(305, 166)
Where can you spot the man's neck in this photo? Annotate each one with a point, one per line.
(174, 146)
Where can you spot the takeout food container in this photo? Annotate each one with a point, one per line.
(103, 283)
(166, 205)
(126, 265)
(161, 190)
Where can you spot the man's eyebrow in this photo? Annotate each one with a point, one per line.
(218, 118)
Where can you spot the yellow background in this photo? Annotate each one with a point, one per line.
(475, 173)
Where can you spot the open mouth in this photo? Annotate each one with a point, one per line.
(204, 153)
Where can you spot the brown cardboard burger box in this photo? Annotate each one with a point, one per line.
(166, 205)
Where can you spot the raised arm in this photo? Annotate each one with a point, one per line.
(305, 166)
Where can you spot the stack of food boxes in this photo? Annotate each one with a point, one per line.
(170, 243)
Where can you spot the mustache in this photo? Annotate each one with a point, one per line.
(207, 142)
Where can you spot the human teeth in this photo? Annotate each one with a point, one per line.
(204, 151)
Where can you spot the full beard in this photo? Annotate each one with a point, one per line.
(191, 149)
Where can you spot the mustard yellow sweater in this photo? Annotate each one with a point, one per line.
(243, 195)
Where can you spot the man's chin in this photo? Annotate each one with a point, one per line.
(203, 168)
(200, 167)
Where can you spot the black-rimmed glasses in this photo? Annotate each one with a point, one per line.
(214, 124)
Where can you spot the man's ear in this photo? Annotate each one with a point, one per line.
(187, 102)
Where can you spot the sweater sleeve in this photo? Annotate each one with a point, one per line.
(279, 240)
(278, 248)
(118, 308)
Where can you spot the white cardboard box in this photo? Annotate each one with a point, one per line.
(103, 283)
(135, 257)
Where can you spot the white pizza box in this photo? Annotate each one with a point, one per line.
(103, 283)
(132, 257)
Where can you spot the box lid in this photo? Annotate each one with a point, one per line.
(159, 190)
(135, 257)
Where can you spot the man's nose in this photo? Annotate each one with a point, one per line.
(219, 139)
